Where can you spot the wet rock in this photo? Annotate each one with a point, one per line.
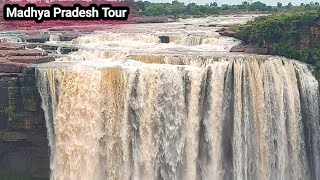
(49, 47)
(252, 49)
(229, 33)
(221, 30)
(68, 36)
(31, 100)
(32, 46)
(66, 50)
(4, 75)
(13, 136)
(226, 31)
(164, 39)
(41, 38)
(211, 25)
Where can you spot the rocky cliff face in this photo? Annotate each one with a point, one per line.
(314, 35)
(23, 139)
(23, 134)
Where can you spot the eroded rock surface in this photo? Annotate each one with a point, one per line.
(23, 134)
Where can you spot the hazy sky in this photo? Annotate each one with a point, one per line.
(268, 2)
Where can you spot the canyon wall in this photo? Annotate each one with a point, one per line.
(23, 134)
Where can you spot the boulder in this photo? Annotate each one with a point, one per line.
(164, 39)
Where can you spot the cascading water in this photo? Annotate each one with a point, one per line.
(229, 119)
(180, 117)
(54, 37)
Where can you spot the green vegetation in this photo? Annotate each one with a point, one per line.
(294, 35)
(7, 112)
(174, 9)
(179, 9)
(14, 82)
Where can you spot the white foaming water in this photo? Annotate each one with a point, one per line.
(54, 37)
(186, 36)
(139, 109)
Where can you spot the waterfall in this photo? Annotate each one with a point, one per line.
(242, 118)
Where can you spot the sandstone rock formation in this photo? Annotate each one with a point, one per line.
(23, 134)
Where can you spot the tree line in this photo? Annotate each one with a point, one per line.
(178, 9)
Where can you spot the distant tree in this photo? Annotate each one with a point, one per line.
(225, 7)
(245, 3)
(141, 5)
(289, 6)
(302, 4)
(214, 4)
(316, 4)
(269, 8)
(175, 2)
(258, 6)
(279, 5)
(307, 6)
(191, 8)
